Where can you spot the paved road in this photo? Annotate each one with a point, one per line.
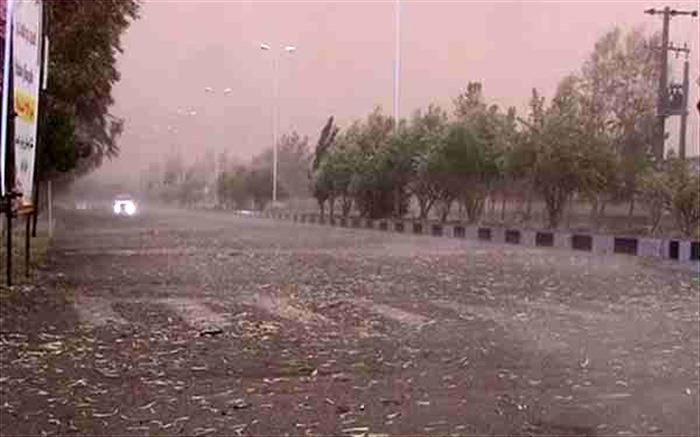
(204, 323)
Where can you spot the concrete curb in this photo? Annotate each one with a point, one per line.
(647, 247)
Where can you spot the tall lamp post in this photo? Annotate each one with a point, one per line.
(275, 114)
(218, 169)
(397, 63)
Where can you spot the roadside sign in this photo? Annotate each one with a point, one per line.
(5, 29)
(26, 66)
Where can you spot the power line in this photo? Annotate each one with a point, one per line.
(663, 109)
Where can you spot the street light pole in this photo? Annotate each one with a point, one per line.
(275, 125)
(219, 168)
(275, 113)
(397, 62)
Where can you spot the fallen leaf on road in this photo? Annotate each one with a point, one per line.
(238, 404)
(101, 415)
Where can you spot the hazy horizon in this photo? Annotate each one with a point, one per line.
(343, 65)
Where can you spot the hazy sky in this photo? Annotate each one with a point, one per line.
(343, 65)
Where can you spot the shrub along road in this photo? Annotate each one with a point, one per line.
(203, 323)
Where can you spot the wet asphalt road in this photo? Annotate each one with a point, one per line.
(182, 322)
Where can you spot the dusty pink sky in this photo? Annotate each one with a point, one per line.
(344, 63)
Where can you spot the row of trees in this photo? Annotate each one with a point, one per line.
(229, 184)
(592, 140)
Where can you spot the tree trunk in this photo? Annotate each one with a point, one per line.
(503, 207)
(322, 207)
(569, 210)
(600, 214)
(630, 213)
(446, 206)
(424, 205)
(474, 206)
(655, 213)
(397, 203)
(594, 209)
(331, 208)
(555, 200)
(528, 205)
(346, 206)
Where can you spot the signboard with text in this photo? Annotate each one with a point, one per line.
(26, 66)
(5, 28)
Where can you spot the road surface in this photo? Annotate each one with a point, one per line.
(202, 323)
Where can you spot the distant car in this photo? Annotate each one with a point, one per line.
(82, 206)
(124, 205)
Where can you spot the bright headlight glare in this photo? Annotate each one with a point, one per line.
(116, 208)
(130, 208)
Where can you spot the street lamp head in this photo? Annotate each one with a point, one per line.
(264, 46)
(290, 49)
(650, 11)
(209, 89)
(227, 90)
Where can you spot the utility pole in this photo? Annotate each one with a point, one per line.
(662, 104)
(684, 115)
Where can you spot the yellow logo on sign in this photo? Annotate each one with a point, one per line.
(25, 106)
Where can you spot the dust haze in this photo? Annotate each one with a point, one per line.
(343, 66)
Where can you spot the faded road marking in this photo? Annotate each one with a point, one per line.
(281, 307)
(97, 311)
(539, 331)
(194, 312)
(396, 314)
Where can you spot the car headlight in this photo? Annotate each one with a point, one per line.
(130, 208)
(116, 208)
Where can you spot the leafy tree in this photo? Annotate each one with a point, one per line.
(521, 159)
(467, 165)
(618, 98)
(422, 142)
(372, 185)
(686, 198)
(191, 189)
(496, 130)
(337, 171)
(259, 180)
(174, 169)
(672, 187)
(320, 181)
(657, 193)
(293, 163)
(232, 189)
(258, 185)
(79, 132)
(558, 151)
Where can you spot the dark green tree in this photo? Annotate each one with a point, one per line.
(79, 132)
